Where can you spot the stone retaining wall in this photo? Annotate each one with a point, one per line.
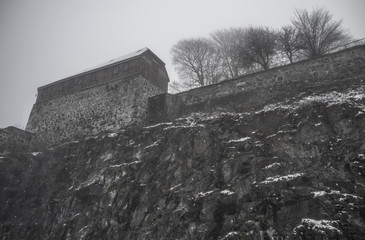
(249, 92)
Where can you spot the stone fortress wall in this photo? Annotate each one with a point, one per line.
(13, 139)
(87, 104)
(89, 112)
(103, 99)
(253, 91)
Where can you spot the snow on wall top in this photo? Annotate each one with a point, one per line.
(116, 60)
(119, 59)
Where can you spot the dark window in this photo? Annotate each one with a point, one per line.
(92, 77)
(71, 83)
(126, 66)
(81, 82)
(106, 74)
(115, 70)
(100, 76)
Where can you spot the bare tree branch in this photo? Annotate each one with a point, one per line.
(259, 46)
(196, 61)
(289, 42)
(228, 43)
(318, 32)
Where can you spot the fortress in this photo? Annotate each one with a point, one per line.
(133, 90)
(105, 98)
(289, 171)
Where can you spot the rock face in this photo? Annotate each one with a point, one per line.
(293, 170)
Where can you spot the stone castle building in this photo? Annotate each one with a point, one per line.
(105, 98)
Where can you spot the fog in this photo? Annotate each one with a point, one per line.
(42, 41)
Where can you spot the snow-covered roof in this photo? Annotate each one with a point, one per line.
(116, 60)
(119, 59)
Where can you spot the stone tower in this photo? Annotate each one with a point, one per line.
(105, 98)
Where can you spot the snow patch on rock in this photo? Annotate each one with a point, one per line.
(175, 187)
(124, 164)
(333, 192)
(332, 98)
(272, 165)
(194, 125)
(203, 194)
(107, 156)
(281, 178)
(157, 125)
(94, 179)
(112, 135)
(319, 226)
(239, 140)
(155, 144)
(227, 192)
(229, 235)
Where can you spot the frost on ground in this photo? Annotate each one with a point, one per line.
(281, 178)
(343, 196)
(319, 226)
(351, 97)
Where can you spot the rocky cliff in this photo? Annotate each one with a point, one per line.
(292, 170)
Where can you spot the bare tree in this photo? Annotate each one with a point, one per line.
(181, 86)
(196, 60)
(318, 32)
(259, 46)
(228, 46)
(289, 42)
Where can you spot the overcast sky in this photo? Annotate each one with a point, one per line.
(42, 41)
